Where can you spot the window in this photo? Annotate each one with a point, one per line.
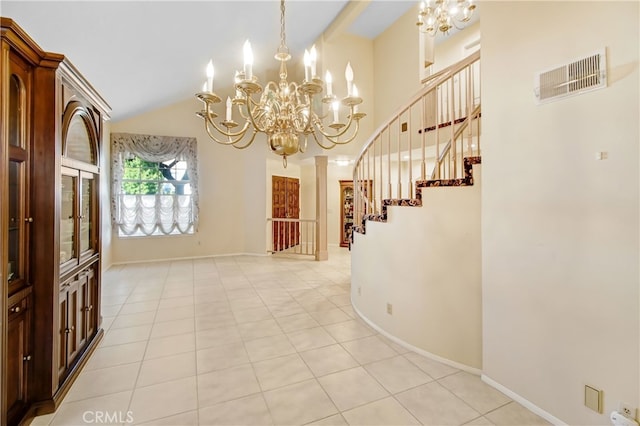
(154, 185)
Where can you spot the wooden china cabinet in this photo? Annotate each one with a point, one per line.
(346, 212)
(51, 124)
(346, 208)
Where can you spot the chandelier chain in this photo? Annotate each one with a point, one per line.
(283, 36)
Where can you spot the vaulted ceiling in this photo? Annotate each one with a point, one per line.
(141, 55)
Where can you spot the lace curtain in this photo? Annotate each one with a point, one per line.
(158, 213)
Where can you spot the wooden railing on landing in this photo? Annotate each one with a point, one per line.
(291, 236)
(433, 139)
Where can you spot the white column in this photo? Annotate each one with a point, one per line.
(321, 207)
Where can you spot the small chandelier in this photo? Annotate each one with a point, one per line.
(443, 15)
(284, 111)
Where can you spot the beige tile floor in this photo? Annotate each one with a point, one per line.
(250, 340)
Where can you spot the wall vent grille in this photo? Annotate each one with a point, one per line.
(580, 76)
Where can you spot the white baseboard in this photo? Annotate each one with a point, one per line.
(412, 348)
(478, 372)
(522, 401)
(171, 259)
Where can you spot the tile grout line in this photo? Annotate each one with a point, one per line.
(144, 353)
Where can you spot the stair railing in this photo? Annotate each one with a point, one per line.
(427, 138)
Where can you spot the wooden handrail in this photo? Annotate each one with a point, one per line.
(450, 97)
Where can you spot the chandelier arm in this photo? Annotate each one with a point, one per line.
(334, 139)
(229, 134)
(253, 136)
(311, 116)
(315, 137)
(214, 137)
(318, 125)
(242, 114)
(231, 141)
(250, 101)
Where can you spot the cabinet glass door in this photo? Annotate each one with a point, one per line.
(17, 188)
(67, 218)
(16, 224)
(15, 112)
(86, 209)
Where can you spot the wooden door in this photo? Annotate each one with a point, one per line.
(285, 202)
(293, 212)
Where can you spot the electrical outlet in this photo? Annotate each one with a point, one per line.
(389, 308)
(626, 410)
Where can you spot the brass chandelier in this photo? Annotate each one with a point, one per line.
(284, 111)
(443, 15)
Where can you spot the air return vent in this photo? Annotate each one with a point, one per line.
(574, 78)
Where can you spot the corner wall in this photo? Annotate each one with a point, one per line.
(560, 228)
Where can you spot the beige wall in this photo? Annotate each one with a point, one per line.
(396, 68)
(560, 228)
(425, 261)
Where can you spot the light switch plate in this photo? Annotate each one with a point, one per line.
(593, 398)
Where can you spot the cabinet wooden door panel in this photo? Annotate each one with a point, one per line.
(18, 335)
(90, 320)
(74, 314)
(78, 319)
(62, 332)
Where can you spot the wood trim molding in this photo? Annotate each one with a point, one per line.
(17, 38)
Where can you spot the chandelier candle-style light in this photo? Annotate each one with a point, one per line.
(284, 111)
(443, 15)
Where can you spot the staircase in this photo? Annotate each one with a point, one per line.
(411, 152)
(416, 273)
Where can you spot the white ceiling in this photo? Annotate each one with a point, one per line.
(141, 55)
